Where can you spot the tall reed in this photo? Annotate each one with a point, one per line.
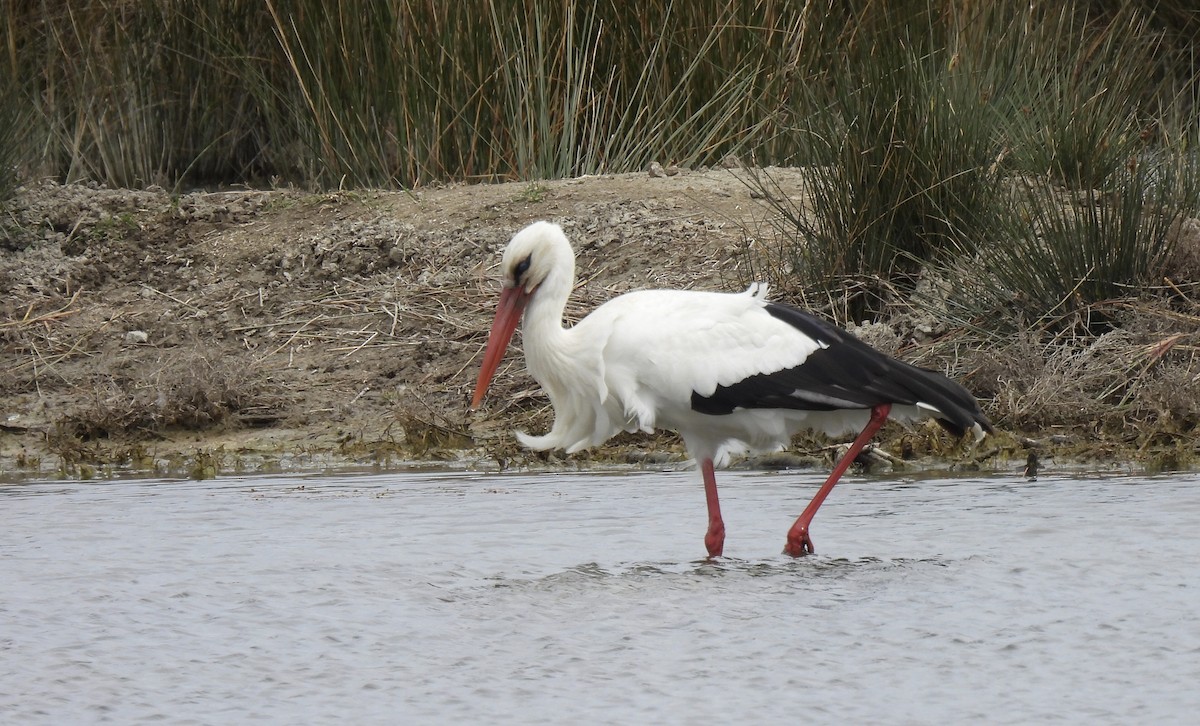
(10, 129)
(386, 92)
(915, 127)
(913, 117)
(401, 92)
(901, 147)
(1079, 95)
(1068, 252)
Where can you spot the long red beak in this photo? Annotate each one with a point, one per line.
(508, 314)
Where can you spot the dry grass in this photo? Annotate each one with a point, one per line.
(1136, 382)
(190, 391)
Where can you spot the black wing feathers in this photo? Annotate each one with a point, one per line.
(847, 373)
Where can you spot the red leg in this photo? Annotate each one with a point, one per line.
(798, 541)
(714, 540)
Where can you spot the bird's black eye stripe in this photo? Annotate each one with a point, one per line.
(521, 268)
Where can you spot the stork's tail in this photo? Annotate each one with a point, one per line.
(947, 401)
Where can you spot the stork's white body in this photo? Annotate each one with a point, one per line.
(633, 364)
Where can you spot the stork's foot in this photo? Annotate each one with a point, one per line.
(798, 543)
(715, 539)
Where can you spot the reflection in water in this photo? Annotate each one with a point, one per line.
(438, 597)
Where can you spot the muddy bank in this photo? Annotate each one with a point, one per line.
(266, 330)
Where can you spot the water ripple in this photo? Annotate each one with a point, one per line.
(437, 597)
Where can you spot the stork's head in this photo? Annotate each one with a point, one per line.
(537, 257)
(534, 254)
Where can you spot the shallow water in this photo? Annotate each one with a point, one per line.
(548, 598)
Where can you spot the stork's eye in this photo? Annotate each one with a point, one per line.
(521, 268)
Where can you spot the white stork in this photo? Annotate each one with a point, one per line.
(729, 372)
